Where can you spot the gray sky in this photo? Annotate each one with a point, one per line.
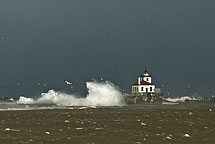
(52, 40)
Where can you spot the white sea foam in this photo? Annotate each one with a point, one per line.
(100, 94)
(24, 100)
(11, 99)
(170, 103)
(181, 99)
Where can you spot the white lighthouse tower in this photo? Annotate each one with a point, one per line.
(144, 84)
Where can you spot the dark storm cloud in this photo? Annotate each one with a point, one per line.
(49, 41)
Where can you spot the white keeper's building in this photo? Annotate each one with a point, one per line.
(144, 84)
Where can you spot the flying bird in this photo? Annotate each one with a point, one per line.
(67, 82)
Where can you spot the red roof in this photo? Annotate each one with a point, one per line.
(145, 71)
(143, 83)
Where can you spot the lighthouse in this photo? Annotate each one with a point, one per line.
(144, 84)
(144, 91)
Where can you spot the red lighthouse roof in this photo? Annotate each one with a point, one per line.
(143, 83)
(146, 71)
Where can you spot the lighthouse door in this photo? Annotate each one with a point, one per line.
(146, 90)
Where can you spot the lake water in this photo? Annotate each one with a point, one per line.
(189, 122)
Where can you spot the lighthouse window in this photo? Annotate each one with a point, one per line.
(147, 79)
(141, 88)
(150, 88)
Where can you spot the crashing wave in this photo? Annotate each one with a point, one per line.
(181, 99)
(24, 100)
(100, 94)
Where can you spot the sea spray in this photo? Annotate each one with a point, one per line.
(181, 99)
(59, 98)
(100, 94)
(24, 100)
(104, 94)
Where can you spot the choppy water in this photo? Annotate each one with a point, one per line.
(189, 122)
